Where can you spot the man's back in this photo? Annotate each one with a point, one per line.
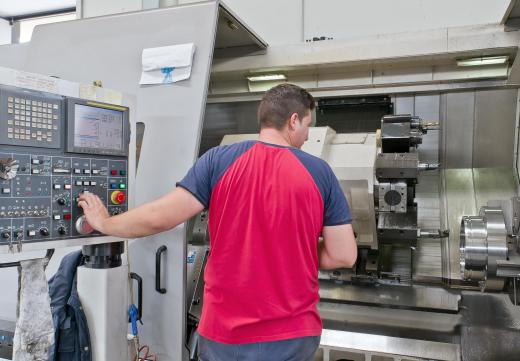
(267, 206)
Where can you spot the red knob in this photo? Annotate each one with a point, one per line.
(117, 197)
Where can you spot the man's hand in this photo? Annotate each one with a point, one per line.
(95, 211)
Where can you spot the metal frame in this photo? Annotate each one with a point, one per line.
(41, 14)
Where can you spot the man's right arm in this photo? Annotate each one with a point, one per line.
(338, 249)
(150, 218)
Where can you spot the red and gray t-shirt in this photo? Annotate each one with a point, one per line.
(267, 207)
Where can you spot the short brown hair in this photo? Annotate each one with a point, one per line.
(280, 102)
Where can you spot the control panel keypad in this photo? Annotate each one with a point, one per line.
(30, 120)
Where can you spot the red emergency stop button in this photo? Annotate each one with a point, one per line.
(117, 197)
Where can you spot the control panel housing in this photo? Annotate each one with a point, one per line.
(53, 148)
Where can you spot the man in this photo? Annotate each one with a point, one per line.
(268, 203)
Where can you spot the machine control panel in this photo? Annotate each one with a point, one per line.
(52, 149)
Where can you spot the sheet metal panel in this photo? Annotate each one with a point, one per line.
(458, 130)
(459, 200)
(493, 184)
(493, 137)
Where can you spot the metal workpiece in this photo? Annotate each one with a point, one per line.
(483, 242)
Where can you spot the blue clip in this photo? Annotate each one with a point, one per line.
(167, 74)
(133, 313)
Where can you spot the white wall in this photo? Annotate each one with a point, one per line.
(353, 18)
(291, 21)
(92, 8)
(5, 32)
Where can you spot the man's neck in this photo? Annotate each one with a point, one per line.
(273, 136)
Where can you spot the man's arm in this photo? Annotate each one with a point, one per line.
(338, 248)
(153, 217)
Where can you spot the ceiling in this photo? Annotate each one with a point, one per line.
(15, 8)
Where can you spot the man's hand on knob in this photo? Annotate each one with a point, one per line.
(94, 210)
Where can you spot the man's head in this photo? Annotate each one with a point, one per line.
(287, 108)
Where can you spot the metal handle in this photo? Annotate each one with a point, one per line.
(139, 280)
(48, 257)
(160, 251)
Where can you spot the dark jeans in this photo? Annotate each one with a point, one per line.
(295, 349)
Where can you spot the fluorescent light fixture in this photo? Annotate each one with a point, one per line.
(483, 60)
(266, 77)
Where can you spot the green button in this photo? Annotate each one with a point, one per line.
(122, 186)
(122, 172)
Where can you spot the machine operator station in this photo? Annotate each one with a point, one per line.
(418, 121)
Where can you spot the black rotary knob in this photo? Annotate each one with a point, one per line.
(44, 231)
(62, 230)
(6, 235)
(61, 201)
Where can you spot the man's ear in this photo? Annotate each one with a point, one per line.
(292, 121)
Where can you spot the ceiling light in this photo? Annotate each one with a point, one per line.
(483, 60)
(266, 77)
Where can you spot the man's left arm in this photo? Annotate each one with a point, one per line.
(150, 218)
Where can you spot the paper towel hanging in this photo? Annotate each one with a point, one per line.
(167, 64)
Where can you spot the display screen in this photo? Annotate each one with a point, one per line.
(98, 128)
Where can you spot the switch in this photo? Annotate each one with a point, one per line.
(113, 185)
(117, 197)
(113, 172)
(35, 171)
(57, 217)
(6, 190)
(31, 233)
(57, 186)
(93, 183)
(86, 183)
(67, 216)
(36, 161)
(67, 186)
(77, 171)
(122, 186)
(122, 172)
(79, 183)
(86, 171)
(95, 171)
